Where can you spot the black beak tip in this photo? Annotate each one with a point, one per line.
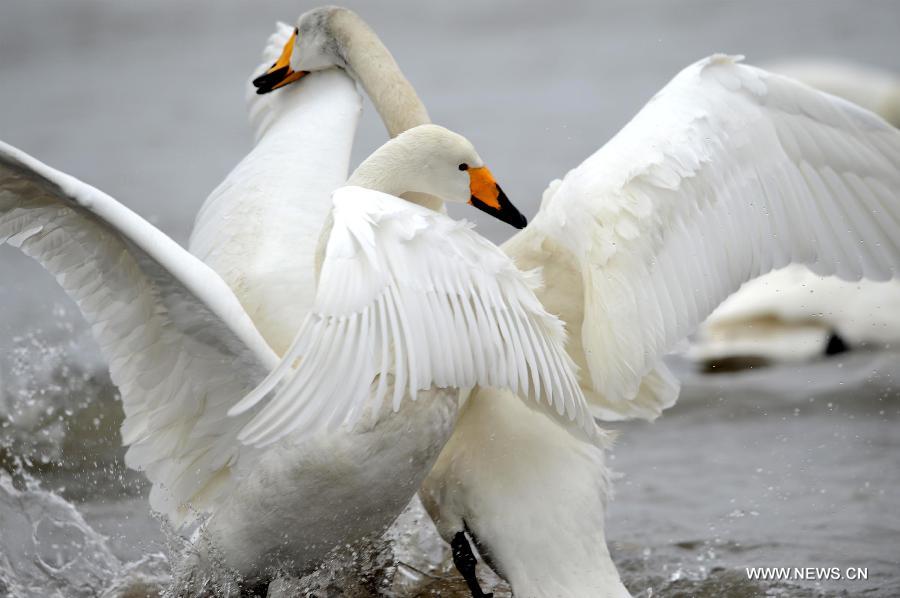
(507, 212)
(268, 80)
(519, 221)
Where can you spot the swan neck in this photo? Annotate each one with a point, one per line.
(370, 62)
(385, 170)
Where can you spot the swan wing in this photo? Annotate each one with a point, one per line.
(180, 348)
(728, 172)
(408, 292)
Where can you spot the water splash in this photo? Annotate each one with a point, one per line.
(47, 548)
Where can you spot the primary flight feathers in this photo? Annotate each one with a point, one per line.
(727, 172)
(408, 292)
(180, 347)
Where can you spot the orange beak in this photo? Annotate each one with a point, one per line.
(487, 196)
(280, 74)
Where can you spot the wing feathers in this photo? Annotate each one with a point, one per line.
(432, 304)
(727, 173)
(179, 347)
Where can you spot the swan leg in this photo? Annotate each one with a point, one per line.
(466, 562)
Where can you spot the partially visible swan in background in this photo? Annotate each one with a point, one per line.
(631, 249)
(873, 88)
(793, 314)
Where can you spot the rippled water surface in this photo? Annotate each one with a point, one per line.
(791, 466)
(795, 466)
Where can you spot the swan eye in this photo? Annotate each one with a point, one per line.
(464, 166)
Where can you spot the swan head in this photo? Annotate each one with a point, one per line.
(314, 46)
(434, 160)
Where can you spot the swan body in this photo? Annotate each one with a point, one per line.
(260, 230)
(540, 526)
(309, 493)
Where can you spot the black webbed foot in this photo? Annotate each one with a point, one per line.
(466, 562)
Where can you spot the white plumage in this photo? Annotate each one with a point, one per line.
(872, 88)
(180, 348)
(183, 351)
(406, 290)
(259, 228)
(726, 173)
(791, 313)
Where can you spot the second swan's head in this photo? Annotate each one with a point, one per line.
(318, 43)
(434, 160)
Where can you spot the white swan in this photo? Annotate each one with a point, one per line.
(704, 164)
(260, 227)
(727, 172)
(793, 315)
(183, 351)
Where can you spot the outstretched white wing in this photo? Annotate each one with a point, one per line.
(180, 348)
(726, 173)
(408, 292)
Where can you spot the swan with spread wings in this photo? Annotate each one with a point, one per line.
(409, 305)
(728, 172)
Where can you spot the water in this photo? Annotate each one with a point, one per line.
(794, 466)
